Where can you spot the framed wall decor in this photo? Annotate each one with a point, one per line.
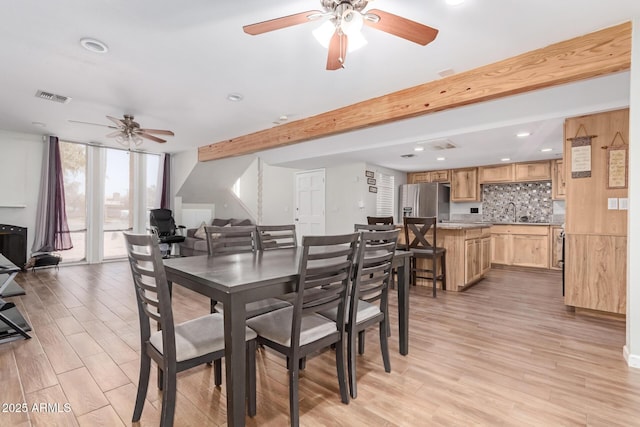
(581, 154)
(369, 174)
(373, 189)
(617, 163)
(371, 181)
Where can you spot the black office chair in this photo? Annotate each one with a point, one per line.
(164, 226)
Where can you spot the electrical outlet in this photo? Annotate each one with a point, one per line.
(612, 203)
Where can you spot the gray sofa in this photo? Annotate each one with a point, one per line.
(193, 245)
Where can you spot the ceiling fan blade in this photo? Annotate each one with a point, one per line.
(283, 22)
(158, 131)
(113, 134)
(337, 51)
(151, 137)
(399, 26)
(116, 121)
(92, 124)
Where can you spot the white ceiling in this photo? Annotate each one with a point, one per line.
(171, 64)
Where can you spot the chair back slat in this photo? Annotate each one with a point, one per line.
(380, 220)
(374, 260)
(231, 240)
(325, 270)
(277, 236)
(416, 230)
(373, 227)
(151, 287)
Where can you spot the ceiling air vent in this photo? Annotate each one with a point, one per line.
(52, 97)
(441, 144)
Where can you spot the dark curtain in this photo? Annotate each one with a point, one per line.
(165, 202)
(52, 232)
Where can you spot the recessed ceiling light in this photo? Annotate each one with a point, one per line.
(418, 149)
(440, 159)
(454, 2)
(505, 159)
(523, 134)
(235, 97)
(545, 150)
(94, 45)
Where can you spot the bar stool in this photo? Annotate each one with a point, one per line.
(415, 233)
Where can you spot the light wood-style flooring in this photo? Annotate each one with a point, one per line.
(506, 352)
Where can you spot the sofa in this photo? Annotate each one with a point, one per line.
(195, 243)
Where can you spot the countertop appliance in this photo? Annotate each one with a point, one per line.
(424, 200)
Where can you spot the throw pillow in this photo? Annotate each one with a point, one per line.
(200, 233)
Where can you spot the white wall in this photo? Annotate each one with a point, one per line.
(278, 194)
(20, 171)
(632, 348)
(399, 179)
(347, 194)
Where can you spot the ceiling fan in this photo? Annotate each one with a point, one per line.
(345, 18)
(129, 131)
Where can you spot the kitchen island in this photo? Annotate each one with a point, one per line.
(468, 254)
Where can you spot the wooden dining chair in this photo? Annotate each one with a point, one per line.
(235, 240)
(416, 233)
(368, 299)
(175, 347)
(299, 331)
(277, 236)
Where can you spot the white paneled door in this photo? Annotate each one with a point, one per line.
(310, 188)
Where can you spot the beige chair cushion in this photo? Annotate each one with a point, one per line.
(197, 337)
(366, 311)
(276, 326)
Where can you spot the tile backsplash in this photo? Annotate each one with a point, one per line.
(531, 199)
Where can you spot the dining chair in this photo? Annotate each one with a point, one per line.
(277, 236)
(299, 331)
(175, 347)
(368, 297)
(234, 240)
(379, 220)
(416, 234)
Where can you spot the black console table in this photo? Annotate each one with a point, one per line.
(12, 324)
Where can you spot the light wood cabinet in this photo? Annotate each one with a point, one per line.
(496, 173)
(520, 245)
(418, 177)
(477, 248)
(440, 176)
(485, 261)
(558, 181)
(555, 243)
(533, 171)
(464, 185)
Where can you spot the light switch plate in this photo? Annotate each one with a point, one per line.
(623, 203)
(612, 203)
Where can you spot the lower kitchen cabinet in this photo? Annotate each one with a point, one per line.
(555, 262)
(477, 248)
(520, 245)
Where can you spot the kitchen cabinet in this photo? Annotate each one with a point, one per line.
(464, 185)
(558, 181)
(440, 176)
(477, 247)
(520, 245)
(496, 173)
(418, 177)
(555, 243)
(485, 254)
(533, 171)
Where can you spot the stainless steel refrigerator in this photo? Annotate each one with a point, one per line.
(423, 200)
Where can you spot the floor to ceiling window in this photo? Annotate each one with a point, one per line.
(107, 191)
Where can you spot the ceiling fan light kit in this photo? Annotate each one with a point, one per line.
(128, 132)
(341, 32)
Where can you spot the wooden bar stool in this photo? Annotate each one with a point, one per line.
(416, 230)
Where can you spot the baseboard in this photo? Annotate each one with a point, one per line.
(633, 360)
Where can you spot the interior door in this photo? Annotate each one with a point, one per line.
(310, 193)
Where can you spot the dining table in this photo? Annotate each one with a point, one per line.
(237, 279)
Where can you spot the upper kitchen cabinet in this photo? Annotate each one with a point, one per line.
(533, 171)
(496, 173)
(418, 177)
(558, 180)
(440, 176)
(464, 185)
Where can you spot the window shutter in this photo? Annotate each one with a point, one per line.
(385, 194)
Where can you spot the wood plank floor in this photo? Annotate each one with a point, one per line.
(504, 353)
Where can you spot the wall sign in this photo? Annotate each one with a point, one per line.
(581, 154)
(617, 163)
(369, 174)
(373, 189)
(371, 181)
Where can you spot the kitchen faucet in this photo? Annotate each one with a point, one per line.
(515, 214)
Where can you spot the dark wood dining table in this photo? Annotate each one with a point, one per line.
(238, 279)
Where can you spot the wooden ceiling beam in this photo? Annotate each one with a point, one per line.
(592, 55)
